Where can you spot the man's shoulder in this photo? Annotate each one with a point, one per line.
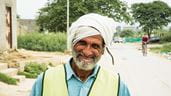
(108, 72)
(58, 67)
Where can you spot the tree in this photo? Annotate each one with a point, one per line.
(53, 16)
(151, 16)
(127, 33)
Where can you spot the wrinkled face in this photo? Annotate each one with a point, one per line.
(87, 52)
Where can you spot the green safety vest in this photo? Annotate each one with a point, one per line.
(55, 83)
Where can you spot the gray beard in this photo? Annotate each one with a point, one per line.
(83, 65)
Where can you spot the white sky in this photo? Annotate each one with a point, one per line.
(27, 9)
(129, 2)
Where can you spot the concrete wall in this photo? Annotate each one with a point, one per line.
(3, 41)
(26, 26)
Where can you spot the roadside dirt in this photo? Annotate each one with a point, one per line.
(18, 57)
(149, 46)
(15, 57)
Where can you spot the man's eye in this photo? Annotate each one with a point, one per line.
(95, 46)
(81, 43)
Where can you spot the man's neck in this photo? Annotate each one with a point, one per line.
(82, 74)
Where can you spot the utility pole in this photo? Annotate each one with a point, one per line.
(67, 24)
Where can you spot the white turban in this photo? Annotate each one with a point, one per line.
(91, 24)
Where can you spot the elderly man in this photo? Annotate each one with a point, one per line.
(82, 76)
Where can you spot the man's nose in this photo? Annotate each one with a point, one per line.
(87, 51)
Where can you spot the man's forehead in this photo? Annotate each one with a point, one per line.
(94, 37)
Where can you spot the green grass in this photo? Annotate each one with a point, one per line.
(6, 79)
(164, 49)
(166, 37)
(27, 74)
(156, 49)
(33, 69)
(43, 42)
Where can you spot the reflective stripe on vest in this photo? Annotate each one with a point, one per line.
(55, 84)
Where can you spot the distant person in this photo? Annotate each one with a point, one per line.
(145, 40)
(82, 76)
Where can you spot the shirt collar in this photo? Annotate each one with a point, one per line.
(70, 72)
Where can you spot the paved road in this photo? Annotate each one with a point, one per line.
(146, 76)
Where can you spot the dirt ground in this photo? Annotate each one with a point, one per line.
(163, 55)
(17, 57)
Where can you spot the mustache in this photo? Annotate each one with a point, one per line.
(81, 63)
(82, 54)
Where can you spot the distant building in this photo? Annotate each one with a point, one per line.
(8, 25)
(27, 26)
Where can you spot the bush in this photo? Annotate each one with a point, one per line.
(165, 48)
(28, 75)
(166, 37)
(127, 33)
(32, 69)
(6, 79)
(43, 42)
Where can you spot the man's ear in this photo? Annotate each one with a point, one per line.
(103, 50)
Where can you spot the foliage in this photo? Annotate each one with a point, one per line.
(27, 74)
(138, 33)
(127, 33)
(155, 49)
(6, 79)
(151, 16)
(166, 37)
(33, 69)
(165, 48)
(43, 42)
(53, 16)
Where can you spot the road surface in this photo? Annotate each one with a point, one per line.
(145, 75)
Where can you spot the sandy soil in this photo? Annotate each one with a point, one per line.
(16, 57)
